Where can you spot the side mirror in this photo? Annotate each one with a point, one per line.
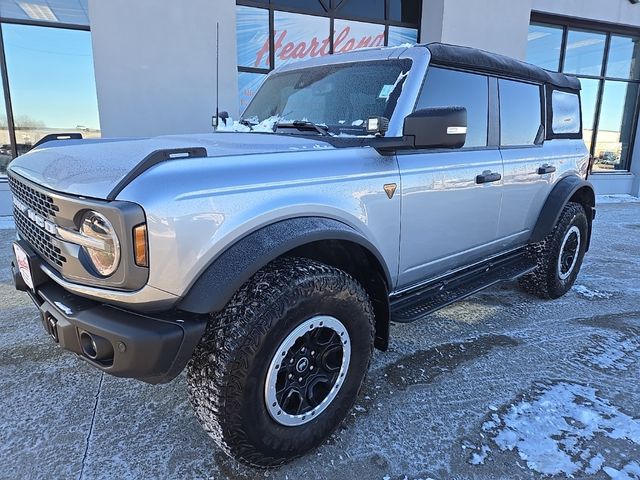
(438, 127)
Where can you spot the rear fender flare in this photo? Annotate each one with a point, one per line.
(571, 188)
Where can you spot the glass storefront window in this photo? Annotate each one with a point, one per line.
(73, 12)
(402, 36)
(6, 152)
(253, 37)
(303, 31)
(614, 134)
(298, 36)
(624, 58)
(52, 84)
(544, 44)
(311, 6)
(404, 10)
(584, 52)
(369, 9)
(349, 35)
(589, 100)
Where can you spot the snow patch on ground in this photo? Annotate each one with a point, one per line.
(591, 294)
(601, 199)
(552, 429)
(630, 471)
(614, 353)
(7, 223)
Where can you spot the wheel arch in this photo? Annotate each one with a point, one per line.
(568, 189)
(326, 240)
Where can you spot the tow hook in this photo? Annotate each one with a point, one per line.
(51, 325)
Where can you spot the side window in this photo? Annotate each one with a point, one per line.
(450, 88)
(520, 113)
(566, 112)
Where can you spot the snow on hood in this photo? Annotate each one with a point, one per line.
(92, 168)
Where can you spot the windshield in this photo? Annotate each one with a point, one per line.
(340, 98)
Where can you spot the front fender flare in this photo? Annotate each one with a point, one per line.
(238, 263)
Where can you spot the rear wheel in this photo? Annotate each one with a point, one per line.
(559, 256)
(279, 369)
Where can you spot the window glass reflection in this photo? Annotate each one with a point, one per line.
(615, 127)
(52, 82)
(402, 35)
(624, 57)
(6, 153)
(370, 9)
(444, 88)
(74, 12)
(407, 11)
(248, 84)
(543, 46)
(589, 99)
(520, 113)
(298, 37)
(584, 52)
(349, 35)
(252, 37)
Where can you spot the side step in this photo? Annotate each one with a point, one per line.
(425, 299)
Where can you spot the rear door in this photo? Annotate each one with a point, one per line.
(448, 219)
(529, 166)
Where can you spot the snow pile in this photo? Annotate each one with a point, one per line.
(551, 430)
(265, 126)
(590, 294)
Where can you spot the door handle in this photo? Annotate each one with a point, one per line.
(488, 176)
(546, 169)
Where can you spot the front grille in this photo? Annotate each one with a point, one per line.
(40, 202)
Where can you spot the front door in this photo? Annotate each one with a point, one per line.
(451, 199)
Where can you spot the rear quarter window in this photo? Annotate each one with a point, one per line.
(520, 113)
(565, 109)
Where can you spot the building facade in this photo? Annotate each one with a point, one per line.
(131, 68)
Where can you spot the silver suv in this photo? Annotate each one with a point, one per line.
(270, 257)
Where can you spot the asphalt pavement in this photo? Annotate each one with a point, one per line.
(503, 385)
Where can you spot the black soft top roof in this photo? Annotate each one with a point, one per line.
(472, 58)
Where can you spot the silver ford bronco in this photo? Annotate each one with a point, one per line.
(270, 257)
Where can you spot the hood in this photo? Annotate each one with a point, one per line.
(93, 168)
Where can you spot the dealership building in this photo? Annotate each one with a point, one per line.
(132, 68)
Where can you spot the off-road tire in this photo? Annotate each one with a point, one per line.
(226, 376)
(545, 281)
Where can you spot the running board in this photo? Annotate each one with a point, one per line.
(425, 299)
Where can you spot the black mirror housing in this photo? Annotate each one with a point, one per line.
(440, 127)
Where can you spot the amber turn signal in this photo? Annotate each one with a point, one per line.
(140, 247)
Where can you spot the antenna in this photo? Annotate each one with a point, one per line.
(217, 73)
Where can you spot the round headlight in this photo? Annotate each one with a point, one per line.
(105, 255)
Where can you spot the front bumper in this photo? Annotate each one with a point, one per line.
(154, 349)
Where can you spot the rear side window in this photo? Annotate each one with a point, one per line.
(450, 88)
(566, 113)
(520, 113)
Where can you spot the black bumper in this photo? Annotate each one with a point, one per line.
(154, 349)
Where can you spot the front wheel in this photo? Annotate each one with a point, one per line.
(559, 256)
(279, 369)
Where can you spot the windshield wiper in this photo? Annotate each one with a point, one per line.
(247, 123)
(305, 125)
